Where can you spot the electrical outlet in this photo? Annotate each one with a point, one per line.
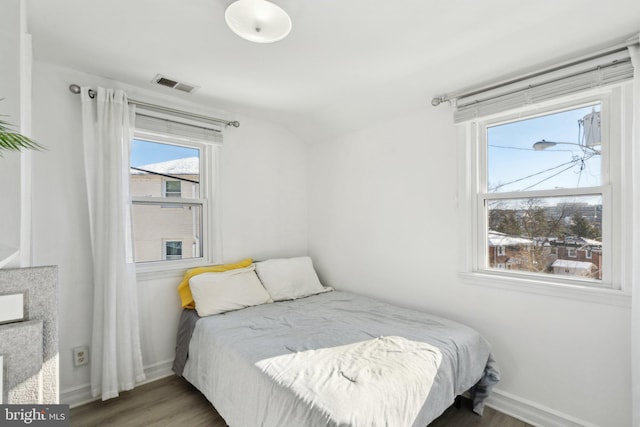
(81, 355)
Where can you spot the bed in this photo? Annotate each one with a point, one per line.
(332, 359)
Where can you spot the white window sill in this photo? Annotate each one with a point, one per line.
(167, 269)
(574, 292)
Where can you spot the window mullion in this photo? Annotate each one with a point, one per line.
(168, 200)
(559, 192)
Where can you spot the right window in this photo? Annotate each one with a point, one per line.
(543, 191)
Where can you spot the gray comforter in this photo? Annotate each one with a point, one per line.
(228, 354)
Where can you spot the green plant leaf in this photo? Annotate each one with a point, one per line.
(13, 141)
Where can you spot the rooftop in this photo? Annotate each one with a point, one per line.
(500, 239)
(186, 166)
(575, 265)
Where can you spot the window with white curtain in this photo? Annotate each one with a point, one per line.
(171, 182)
(541, 176)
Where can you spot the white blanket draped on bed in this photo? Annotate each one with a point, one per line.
(384, 381)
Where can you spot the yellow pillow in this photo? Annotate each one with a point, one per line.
(185, 291)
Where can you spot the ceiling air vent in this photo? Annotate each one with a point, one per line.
(174, 84)
(184, 87)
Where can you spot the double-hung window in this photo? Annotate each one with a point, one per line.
(171, 183)
(541, 180)
(542, 185)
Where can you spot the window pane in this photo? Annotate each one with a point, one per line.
(167, 231)
(164, 170)
(550, 235)
(173, 188)
(559, 150)
(173, 249)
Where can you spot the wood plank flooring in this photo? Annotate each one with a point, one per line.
(172, 401)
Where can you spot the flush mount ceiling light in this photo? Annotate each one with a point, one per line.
(258, 21)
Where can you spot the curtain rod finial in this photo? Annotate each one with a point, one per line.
(74, 88)
(437, 100)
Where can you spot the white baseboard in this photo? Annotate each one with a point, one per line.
(157, 370)
(531, 412)
(80, 395)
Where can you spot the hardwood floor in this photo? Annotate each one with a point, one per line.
(465, 417)
(172, 401)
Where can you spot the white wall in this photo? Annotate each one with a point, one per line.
(383, 222)
(12, 84)
(264, 214)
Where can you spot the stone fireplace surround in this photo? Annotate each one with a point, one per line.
(30, 347)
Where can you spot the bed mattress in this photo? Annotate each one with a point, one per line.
(300, 363)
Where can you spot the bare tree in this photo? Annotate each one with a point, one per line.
(530, 219)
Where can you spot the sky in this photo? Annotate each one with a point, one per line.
(146, 152)
(514, 165)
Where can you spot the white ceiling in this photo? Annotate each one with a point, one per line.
(346, 63)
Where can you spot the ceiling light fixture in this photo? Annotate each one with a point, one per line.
(259, 21)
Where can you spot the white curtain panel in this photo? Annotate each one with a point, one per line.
(116, 359)
(635, 275)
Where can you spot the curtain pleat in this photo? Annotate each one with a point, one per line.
(116, 363)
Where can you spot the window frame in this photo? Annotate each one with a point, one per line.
(472, 176)
(603, 190)
(205, 200)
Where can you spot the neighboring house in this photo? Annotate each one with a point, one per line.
(578, 249)
(508, 252)
(574, 256)
(170, 230)
(574, 268)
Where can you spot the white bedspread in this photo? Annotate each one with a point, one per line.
(380, 382)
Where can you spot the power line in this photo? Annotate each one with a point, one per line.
(549, 177)
(572, 162)
(165, 175)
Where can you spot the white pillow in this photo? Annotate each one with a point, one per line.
(289, 278)
(215, 293)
